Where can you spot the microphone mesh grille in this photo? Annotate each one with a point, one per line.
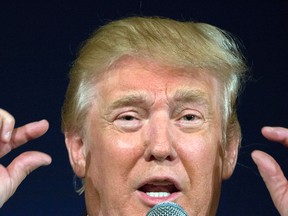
(167, 209)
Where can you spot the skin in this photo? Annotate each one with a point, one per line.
(10, 138)
(271, 172)
(12, 175)
(161, 127)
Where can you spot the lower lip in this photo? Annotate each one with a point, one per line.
(152, 201)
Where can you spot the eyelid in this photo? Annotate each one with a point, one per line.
(114, 113)
(193, 112)
(129, 113)
(190, 125)
(185, 109)
(128, 125)
(131, 110)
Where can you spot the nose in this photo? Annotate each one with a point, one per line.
(160, 142)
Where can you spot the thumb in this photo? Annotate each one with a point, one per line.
(274, 179)
(23, 165)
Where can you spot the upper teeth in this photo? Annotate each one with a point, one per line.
(158, 194)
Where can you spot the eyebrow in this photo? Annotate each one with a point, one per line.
(183, 95)
(190, 95)
(129, 99)
(187, 95)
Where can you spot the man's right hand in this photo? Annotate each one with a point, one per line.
(11, 138)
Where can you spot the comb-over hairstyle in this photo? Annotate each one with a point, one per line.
(169, 42)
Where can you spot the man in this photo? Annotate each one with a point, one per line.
(150, 116)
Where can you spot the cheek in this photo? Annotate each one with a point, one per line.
(113, 157)
(199, 148)
(203, 165)
(110, 170)
(201, 157)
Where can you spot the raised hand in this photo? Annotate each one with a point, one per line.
(271, 172)
(11, 138)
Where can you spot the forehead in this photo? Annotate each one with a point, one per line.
(136, 73)
(151, 86)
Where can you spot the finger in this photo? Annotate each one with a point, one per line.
(273, 177)
(29, 132)
(7, 123)
(23, 165)
(23, 134)
(277, 134)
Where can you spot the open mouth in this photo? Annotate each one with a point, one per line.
(159, 189)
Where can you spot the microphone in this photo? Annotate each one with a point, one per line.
(167, 209)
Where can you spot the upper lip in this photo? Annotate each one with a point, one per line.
(160, 184)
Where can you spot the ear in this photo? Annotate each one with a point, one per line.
(76, 151)
(231, 154)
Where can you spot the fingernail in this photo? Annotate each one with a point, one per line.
(269, 129)
(7, 136)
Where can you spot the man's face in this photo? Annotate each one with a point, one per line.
(153, 134)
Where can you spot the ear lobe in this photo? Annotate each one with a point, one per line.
(230, 156)
(76, 151)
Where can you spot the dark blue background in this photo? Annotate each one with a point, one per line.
(39, 40)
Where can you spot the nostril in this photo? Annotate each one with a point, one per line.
(160, 157)
(160, 152)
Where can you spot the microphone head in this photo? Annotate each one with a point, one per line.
(167, 209)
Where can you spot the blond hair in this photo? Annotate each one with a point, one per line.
(170, 42)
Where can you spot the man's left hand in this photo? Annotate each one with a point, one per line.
(271, 172)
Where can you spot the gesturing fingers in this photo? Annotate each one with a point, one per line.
(274, 179)
(28, 132)
(18, 169)
(23, 134)
(277, 134)
(25, 163)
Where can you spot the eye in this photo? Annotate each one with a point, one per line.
(190, 119)
(127, 118)
(128, 121)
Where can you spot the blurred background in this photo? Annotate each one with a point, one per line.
(39, 41)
